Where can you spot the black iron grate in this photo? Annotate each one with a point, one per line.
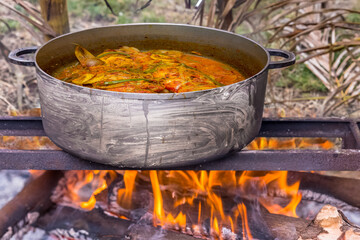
(348, 158)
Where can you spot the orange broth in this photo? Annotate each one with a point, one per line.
(156, 71)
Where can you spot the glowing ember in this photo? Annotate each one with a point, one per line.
(206, 203)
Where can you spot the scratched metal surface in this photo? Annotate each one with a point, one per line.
(347, 158)
(144, 133)
(151, 130)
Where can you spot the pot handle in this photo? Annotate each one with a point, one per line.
(15, 56)
(288, 61)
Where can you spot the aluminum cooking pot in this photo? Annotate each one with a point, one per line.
(145, 130)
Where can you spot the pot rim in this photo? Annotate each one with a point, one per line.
(154, 96)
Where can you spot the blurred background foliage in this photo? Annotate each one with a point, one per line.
(324, 35)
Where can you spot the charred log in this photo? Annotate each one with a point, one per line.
(290, 228)
(35, 197)
(263, 225)
(329, 223)
(98, 225)
(344, 189)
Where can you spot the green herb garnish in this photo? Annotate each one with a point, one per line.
(153, 69)
(126, 80)
(107, 53)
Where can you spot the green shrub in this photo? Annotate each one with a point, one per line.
(149, 17)
(353, 17)
(300, 77)
(123, 19)
(6, 23)
(97, 9)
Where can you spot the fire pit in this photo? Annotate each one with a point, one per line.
(184, 205)
(190, 204)
(345, 158)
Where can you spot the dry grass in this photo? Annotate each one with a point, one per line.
(18, 89)
(328, 44)
(320, 32)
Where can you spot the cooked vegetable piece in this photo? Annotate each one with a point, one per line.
(156, 71)
(83, 78)
(98, 77)
(85, 58)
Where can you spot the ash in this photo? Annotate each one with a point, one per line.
(65, 234)
(11, 183)
(309, 209)
(35, 233)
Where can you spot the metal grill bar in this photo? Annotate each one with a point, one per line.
(346, 159)
(295, 160)
(45, 160)
(345, 129)
(21, 126)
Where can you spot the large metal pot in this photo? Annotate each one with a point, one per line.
(153, 130)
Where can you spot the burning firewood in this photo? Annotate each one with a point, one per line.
(138, 205)
(328, 224)
(345, 189)
(205, 203)
(95, 224)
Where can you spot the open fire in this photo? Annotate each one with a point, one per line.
(204, 204)
(183, 205)
(201, 204)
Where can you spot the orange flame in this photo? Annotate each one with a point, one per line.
(262, 143)
(36, 173)
(83, 186)
(215, 227)
(198, 191)
(204, 187)
(189, 198)
(158, 201)
(160, 218)
(246, 234)
(274, 180)
(125, 194)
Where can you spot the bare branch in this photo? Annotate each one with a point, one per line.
(109, 7)
(144, 6)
